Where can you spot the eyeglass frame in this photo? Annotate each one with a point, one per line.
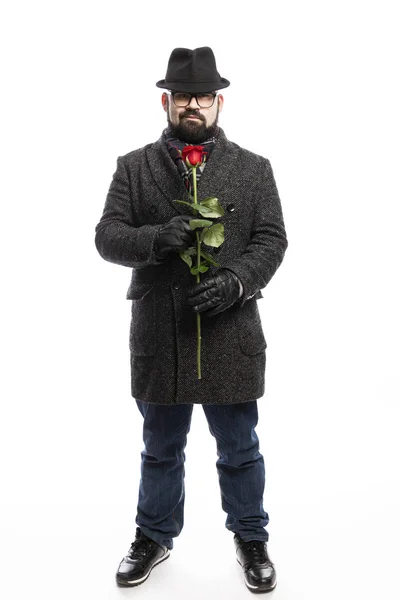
(214, 94)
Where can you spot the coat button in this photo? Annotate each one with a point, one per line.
(176, 285)
(230, 208)
(153, 209)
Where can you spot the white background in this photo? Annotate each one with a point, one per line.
(314, 87)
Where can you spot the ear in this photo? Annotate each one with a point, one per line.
(220, 102)
(164, 100)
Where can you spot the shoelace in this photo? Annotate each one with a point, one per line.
(258, 550)
(139, 548)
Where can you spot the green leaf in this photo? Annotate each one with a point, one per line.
(186, 203)
(197, 208)
(203, 233)
(214, 206)
(196, 270)
(210, 200)
(205, 211)
(214, 235)
(209, 258)
(200, 223)
(186, 256)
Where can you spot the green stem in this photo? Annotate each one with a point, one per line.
(197, 280)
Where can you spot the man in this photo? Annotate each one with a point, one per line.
(144, 229)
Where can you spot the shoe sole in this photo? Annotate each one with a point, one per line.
(257, 589)
(134, 582)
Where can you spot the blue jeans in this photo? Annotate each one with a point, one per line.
(240, 469)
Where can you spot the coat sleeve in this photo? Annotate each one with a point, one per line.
(117, 238)
(267, 246)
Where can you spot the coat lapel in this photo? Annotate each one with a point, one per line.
(217, 171)
(166, 175)
(218, 168)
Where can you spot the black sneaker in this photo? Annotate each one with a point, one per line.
(143, 555)
(259, 570)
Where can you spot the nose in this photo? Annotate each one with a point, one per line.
(193, 103)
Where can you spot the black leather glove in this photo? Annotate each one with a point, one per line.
(174, 236)
(215, 294)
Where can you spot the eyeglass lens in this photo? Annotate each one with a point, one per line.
(203, 100)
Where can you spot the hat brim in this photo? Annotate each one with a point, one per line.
(197, 87)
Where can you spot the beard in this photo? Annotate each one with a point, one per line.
(193, 132)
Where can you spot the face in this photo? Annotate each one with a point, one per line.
(191, 123)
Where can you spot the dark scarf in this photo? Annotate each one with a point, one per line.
(175, 147)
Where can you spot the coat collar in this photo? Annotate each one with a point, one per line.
(217, 171)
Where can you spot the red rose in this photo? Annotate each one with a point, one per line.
(193, 155)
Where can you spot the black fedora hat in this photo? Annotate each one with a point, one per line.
(192, 71)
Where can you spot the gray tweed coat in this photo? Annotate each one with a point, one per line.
(163, 335)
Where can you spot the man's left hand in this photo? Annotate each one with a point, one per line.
(215, 294)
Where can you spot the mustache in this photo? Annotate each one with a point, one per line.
(192, 113)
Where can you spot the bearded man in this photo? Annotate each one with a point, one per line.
(144, 229)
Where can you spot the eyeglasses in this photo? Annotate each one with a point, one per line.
(181, 99)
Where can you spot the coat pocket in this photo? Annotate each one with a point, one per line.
(249, 328)
(142, 335)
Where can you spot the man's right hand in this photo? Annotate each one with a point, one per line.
(174, 236)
